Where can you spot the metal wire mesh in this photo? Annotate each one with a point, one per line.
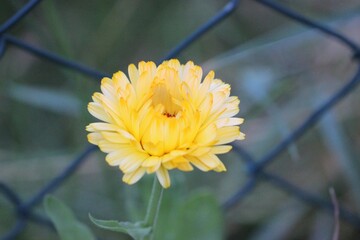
(256, 168)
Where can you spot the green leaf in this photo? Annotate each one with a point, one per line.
(67, 226)
(135, 230)
(200, 218)
(52, 100)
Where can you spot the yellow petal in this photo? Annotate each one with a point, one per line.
(142, 89)
(97, 111)
(111, 106)
(133, 74)
(186, 167)
(232, 107)
(228, 134)
(96, 97)
(218, 101)
(197, 163)
(149, 67)
(173, 154)
(95, 138)
(114, 158)
(221, 149)
(199, 151)
(205, 107)
(204, 87)
(163, 176)
(145, 118)
(154, 149)
(193, 76)
(220, 168)
(120, 80)
(224, 122)
(169, 165)
(170, 134)
(133, 161)
(210, 160)
(119, 137)
(152, 161)
(108, 89)
(108, 147)
(152, 169)
(133, 177)
(100, 126)
(206, 136)
(182, 164)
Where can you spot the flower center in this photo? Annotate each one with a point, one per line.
(164, 99)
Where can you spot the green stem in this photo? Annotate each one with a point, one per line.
(152, 211)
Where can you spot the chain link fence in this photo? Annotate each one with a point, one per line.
(256, 167)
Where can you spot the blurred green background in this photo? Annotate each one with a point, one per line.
(281, 71)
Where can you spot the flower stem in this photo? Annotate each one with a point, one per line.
(152, 211)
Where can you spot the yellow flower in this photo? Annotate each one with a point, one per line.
(164, 118)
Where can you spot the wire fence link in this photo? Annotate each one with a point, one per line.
(256, 168)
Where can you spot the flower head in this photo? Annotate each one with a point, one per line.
(163, 118)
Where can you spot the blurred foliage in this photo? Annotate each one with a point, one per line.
(281, 71)
(66, 224)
